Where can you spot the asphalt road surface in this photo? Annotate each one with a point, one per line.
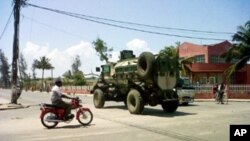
(200, 121)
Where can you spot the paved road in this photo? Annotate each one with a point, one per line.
(201, 121)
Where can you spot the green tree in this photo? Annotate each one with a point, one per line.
(33, 70)
(42, 64)
(102, 49)
(77, 75)
(76, 64)
(68, 74)
(240, 50)
(22, 67)
(79, 78)
(175, 62)
(4, 70)
(170, 53)
(67, 77)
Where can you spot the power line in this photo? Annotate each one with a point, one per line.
(52, 27)
(118, 26)
(7, 24)
(153, 26)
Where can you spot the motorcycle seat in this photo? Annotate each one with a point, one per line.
(51, 105)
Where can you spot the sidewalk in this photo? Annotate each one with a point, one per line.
(5, 105)
(229, 100)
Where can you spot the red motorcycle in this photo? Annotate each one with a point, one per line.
(51, 115)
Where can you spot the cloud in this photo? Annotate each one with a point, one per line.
(138, 46)
(62, 59)
(32, 49)
(115, 56)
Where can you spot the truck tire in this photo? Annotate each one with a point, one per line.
(170, 106)
(145, 65)
(135, 102)
(184, 103)
(99, 99)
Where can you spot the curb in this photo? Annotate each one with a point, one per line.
(229, 100)
(11, 106)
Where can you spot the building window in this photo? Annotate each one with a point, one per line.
(222, 60)
(199, 59)
(216, 59)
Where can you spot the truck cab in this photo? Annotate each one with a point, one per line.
(185, 91)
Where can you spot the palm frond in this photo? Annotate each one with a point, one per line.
(242, 62)
(230, 71)
(188, 60)
(237, 66)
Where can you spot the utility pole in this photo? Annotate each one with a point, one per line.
(15, 91)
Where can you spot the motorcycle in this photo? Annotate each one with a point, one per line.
(51, 115)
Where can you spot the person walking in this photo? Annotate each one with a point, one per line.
(221, 90)
(215, 92)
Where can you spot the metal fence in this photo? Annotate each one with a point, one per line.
(77, 89)
(205, 89)
(239, 89)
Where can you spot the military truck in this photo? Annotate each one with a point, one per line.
(146, 80)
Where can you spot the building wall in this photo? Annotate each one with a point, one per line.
(248, 74)
(218, 49)
(189, 49)
(208, 70)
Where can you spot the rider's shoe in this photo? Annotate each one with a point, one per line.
(68, 117)
(71, 116)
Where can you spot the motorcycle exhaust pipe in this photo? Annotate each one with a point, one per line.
(58, 120)
(53, 120)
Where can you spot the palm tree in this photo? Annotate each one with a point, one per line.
(170, 53)
(240, 50)
(43, 64)
(176, 62)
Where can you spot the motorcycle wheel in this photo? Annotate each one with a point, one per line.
(85, 117)
(46, 117)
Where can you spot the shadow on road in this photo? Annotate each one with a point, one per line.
(73, 126)
(189, 105)
(123, 107)
(161, 113)
(156, 112)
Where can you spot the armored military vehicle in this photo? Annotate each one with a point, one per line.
(146, 80)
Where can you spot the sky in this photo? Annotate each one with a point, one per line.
(60, 38)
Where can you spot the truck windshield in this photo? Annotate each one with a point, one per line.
(106, 69)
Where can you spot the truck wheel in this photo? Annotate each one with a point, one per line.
(170, 106)
(135, 102)
(145, 64)
(125, 103)
(99, 99)
(185, 103)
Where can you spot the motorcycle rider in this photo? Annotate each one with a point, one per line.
(56, 99)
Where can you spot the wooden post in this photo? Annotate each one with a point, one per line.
(14, 95)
